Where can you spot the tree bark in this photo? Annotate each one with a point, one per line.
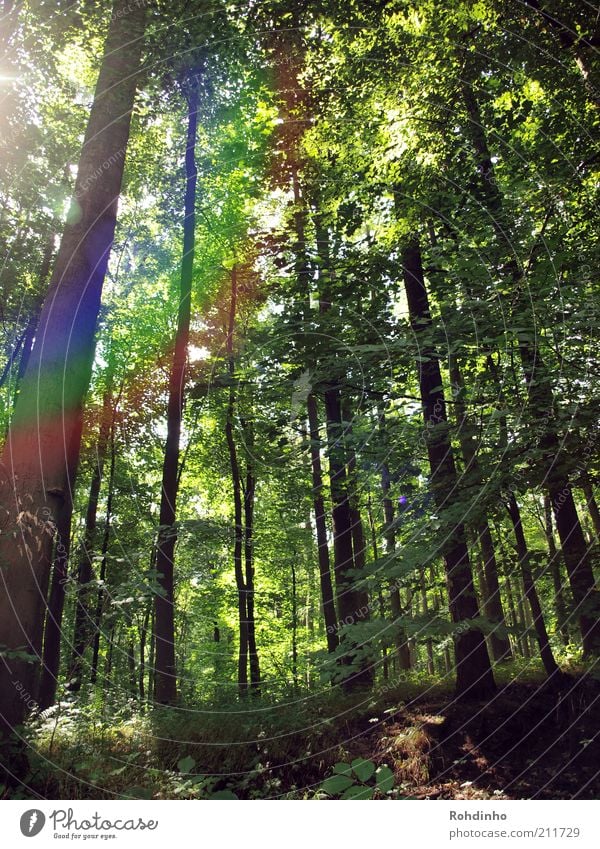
(85, 570)
(530, 590)
(237, 499)
(327, 597)
(401, 642)
(474, 677)
(592, 504)
(352, 603)
(554, 567)
(54, 615)
(99, 613)
(42, 449)
(249, 496)
(165, 674)
(492, 600)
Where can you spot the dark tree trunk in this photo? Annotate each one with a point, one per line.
(143, 639)
(294, 622)
(592, 504)
(99, 613)
(425, 612)
(327, 597)
(249, 496)
(54, 615)
(380, 598)
(165, 675)
(402, 647)
(530, 590)
(541, 398)
(474, 677)
(351, 603)
(85, 571)
(237, 499)
(41, 455)
(554, 555)
(492, 600)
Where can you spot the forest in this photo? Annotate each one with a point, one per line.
(299, 387)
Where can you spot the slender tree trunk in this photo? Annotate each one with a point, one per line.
(85, 571)
(42, 449)
(530, 590)
(474, 677)
(352, 603)
(150, 687)
(294, 622)
(237, 499)
(492, 600)
(327, 597)
(165, 677)
(554, 555)
(592, 504)
(425, 612)
(54, 615)
(514, 616)
(541, 397)
(249, 497)
(402, 648)
(143, 639)
(380, 598)
(99, 613)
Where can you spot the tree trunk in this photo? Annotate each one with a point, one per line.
(42, 449)
(554, 567)
(474, 677)
(99, 613)
(402, 648)
(327, 597)
(380, 597)
(352, 603)
(541, 398)
(85, 570)
(54, 615)
(237, 499)
(249, 496)
(492, 600)
(530, 590)
(592, 504)
(294, 622)
(165, 675)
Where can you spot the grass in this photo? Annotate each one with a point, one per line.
(265, 749)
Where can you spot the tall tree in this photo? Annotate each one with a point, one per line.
(42, 449)
(165, 675)
(474, 677)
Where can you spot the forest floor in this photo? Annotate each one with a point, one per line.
(529, 741)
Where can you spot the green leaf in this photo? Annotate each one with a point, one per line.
(336, 784)
(385, 779)
(186, 764)
(342, 769)
(363, 769)
(357, 791)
